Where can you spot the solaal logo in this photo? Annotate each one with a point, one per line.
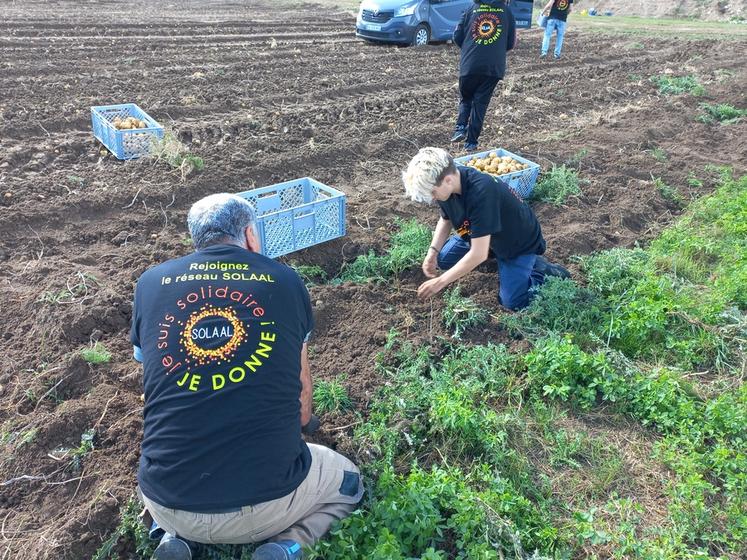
(563, 5)
(486, 29)
(212, 335)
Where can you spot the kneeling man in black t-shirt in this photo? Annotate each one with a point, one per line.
(487, 215)
(221, 334)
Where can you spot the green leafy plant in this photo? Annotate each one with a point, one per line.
(674, 85)
(722, 113)
(331, 396)
(461, 313)
(96, 354)
(311, 274)
(556, 185)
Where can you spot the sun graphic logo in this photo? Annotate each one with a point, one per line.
(212, 335)
(486, 28)
(563, 5)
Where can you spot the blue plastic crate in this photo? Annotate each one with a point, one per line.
(522, 182)
(296, 214)
(124, 144)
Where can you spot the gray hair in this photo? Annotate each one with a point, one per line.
(426, 170)
(219, 218)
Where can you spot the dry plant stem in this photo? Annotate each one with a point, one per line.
(134, 198)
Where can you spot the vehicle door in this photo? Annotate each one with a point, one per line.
(444, 17)
(522, 11)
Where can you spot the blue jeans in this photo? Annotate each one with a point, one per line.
(517, 275)
(554, 25)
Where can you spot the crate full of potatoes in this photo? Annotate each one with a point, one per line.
(126, 130)
(519, 173)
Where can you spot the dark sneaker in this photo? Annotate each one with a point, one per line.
(556, 56)
(543, 56)
(280, 550)
(172, 548)
(459, 135)
(470, 147)
(543, 266)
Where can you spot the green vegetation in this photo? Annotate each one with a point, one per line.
(667, 191)
(644, 28)
(722, 113)
(311, 274)
(76, 455)
(407, 249)
(674, 85)
(693, 181)
(659, 154)
(461, 313)
(556, 185)
(331, 396)
(131, 529)
(175, 154)
(84, 284)
(96, 354)
(479, 425)
(477, 452)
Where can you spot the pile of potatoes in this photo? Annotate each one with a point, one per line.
(129, 123)
(497, 165)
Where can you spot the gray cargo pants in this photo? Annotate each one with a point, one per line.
(330, 492)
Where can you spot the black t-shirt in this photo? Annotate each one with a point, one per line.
(220, 334)
(488, 206)
(485, 33)
(559, 9)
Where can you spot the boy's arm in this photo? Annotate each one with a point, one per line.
(459, 31)
(478, 253)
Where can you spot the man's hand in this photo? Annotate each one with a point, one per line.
(430, 288)
(429, 264)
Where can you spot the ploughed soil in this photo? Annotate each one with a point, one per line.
(263, 95)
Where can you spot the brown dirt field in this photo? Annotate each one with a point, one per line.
(266, 95)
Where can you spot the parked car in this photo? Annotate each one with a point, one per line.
(418, 22)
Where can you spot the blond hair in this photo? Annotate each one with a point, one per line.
(426, 170)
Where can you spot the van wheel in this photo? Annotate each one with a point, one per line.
(421, 36)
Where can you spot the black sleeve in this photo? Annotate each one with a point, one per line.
(460, 28)
(511, 40)
(307, 315)
(135, 329)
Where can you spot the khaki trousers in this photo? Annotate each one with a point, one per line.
(330, 492)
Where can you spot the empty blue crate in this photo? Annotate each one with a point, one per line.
(296, 214)
(522, 182)
(127, 143)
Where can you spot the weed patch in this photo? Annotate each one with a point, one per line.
(175, 154)
(556, 185)
(331, 396)
(406, 249)
(96, 354)
(461, 313)
(722, 113)
(675, 85)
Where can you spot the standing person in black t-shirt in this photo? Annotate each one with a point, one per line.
(222, 337)
(487, 215)
(557, 13)
(486, 32)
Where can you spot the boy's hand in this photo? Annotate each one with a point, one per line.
(429, 265)
(430, 288)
